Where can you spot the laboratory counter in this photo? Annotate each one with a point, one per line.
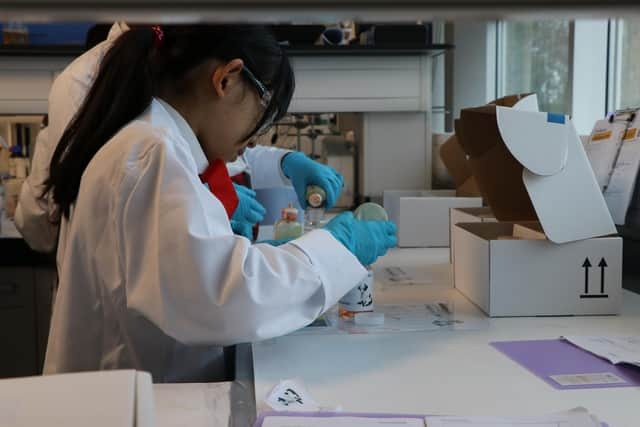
(452, 370)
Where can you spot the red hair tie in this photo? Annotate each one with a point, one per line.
(159, 35)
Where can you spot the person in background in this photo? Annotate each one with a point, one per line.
(151, 275)
(259, 167)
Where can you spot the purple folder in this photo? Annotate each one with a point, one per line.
(262, 416)
(544, 358)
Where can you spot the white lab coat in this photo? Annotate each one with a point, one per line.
(152, 277)
(37, 217)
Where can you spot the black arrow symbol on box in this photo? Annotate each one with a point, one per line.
(587, 265)
(602, 264)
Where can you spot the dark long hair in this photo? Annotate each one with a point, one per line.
(138, 66)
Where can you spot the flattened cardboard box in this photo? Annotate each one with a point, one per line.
(532, 167)
(422, 217)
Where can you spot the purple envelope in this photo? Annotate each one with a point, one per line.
(545, 358)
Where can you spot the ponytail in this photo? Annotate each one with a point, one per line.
(131, 74)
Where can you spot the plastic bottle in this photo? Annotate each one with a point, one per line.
(288, 226)
(360, 298)
(314, 214)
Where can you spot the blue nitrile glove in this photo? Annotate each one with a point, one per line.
(242, 228)
(303, 172)
(249, 210)
(275, 242)
(367, 240)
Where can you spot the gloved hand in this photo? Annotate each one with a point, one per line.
(302, 171)
(242, 228)
(275, 242)
(367, 240)
(249, 210)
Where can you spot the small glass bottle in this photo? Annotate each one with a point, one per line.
(360, 298)
(314, 214)
(288, 226)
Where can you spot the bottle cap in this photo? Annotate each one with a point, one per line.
(290, 213)
(315, 200)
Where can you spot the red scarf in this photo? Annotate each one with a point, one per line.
(216, 176)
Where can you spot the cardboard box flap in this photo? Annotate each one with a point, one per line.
(543, 152)
(455, 160)
(524, 102)
(569, 204)
(497, 172)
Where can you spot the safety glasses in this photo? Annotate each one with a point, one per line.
(265, 99)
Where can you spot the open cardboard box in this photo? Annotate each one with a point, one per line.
(457, 215)
(422, 216)
(533, 170)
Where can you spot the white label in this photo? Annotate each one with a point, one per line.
(360, 298)
(588, 379)
(290, 395)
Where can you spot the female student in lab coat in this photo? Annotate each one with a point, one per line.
(151, 275)
(37, 217)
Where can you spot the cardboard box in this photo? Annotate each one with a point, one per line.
(533, 170)
(457, 215)
(519, 277)
(422, 217)
(458, 166)
(455, 159)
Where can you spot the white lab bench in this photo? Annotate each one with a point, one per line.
(441, 372)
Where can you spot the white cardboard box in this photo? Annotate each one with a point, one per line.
(457, 215)
(120, 398)
(577, 268)
(422, 217)
(536, 277)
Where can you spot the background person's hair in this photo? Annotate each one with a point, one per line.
(138, 66)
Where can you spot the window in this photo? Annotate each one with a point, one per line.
(536, 57)
(627, 62)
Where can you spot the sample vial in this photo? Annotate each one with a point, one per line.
(360, 298)
(314, 214)
(288, 226)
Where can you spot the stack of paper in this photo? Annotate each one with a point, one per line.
(616, 350)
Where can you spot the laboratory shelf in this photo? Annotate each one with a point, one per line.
(351, 50)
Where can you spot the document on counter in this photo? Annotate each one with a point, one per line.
(602, 148)
(579, 417)
(576, 418)
(622, 182)
(617, 350)
(339, 421)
